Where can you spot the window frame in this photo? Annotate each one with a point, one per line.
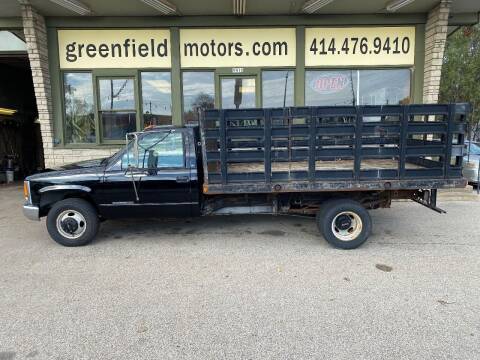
(292, 69)
(140, 93)
(191, 70)
(64, 116)
(99, 109)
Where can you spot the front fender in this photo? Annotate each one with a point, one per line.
(49, 195)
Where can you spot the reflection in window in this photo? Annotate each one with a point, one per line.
(156, 98)
(357, 87)
(382, 87)
(238, 93)
(336, 87)
(198, 94)
(117, 108)
(166, 146)
(79, 113)
(277, 88)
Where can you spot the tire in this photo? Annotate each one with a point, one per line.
(349, 214)
(63, 216)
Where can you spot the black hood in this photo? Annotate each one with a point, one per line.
(90, 168)
(82, 165)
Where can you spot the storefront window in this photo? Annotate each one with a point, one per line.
(79, 113)
(117, 107)
(357, 87)
(238, 92)
(156, 98)
(337, 87)
(198, 94)
(381, 87)
(277, 88)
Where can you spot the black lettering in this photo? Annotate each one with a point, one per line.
(266, 48)
(162, 48)
(126, 45)
(71, 56)
(204, 50)
(255, 47)
(80, 48)
(91, 50)
(191, 47)
(280, 48)
(238, 49)
(143, 50)
(134, 52)
(230, 46)
(222, 49)
(212, 44)
(103, 50)
(116, 47)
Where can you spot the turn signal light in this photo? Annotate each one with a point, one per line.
(205, 188)
(26, 191)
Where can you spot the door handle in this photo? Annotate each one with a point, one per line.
(183, 179)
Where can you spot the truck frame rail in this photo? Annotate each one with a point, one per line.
(332, 148)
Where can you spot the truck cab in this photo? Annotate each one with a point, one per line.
(155, 175)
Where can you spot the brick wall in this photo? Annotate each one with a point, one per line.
(435, 39)
(36, 39)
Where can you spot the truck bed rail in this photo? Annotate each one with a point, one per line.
(330, 148)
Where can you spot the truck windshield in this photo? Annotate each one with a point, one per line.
(168, 147)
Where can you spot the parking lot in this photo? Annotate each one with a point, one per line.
(241, 287)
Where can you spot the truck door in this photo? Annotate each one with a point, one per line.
(165, 190)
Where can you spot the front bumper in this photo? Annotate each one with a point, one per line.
(31, 212)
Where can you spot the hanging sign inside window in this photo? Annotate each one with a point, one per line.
(266, 47)
(393, 45)
(116, 48)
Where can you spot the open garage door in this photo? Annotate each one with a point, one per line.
(21, 148)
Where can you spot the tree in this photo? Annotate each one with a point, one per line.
(461, 72)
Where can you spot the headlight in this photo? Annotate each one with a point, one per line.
(26, 190)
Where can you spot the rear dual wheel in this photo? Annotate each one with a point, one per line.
(344, 223)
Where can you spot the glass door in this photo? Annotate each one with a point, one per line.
(238, 92)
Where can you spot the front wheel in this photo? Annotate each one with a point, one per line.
(72, 222)
(344, 223)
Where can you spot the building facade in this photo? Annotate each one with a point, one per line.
(97, 78)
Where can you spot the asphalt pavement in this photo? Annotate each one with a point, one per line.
(243, 287)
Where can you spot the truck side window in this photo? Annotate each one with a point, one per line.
(169, 147)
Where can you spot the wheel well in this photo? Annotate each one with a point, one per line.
(48, 199)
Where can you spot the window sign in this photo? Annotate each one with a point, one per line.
(369, 46)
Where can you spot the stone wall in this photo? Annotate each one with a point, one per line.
(435, 39)
(35, 32)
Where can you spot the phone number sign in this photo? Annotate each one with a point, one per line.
(393, 45)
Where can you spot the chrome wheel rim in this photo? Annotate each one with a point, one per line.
(71, 224)
(347, 226)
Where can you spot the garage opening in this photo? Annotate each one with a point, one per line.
(21, 151)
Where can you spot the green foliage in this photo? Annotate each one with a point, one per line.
(461, 71)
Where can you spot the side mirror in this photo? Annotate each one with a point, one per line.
(152, 162)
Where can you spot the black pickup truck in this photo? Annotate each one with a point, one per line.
(330, 163)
